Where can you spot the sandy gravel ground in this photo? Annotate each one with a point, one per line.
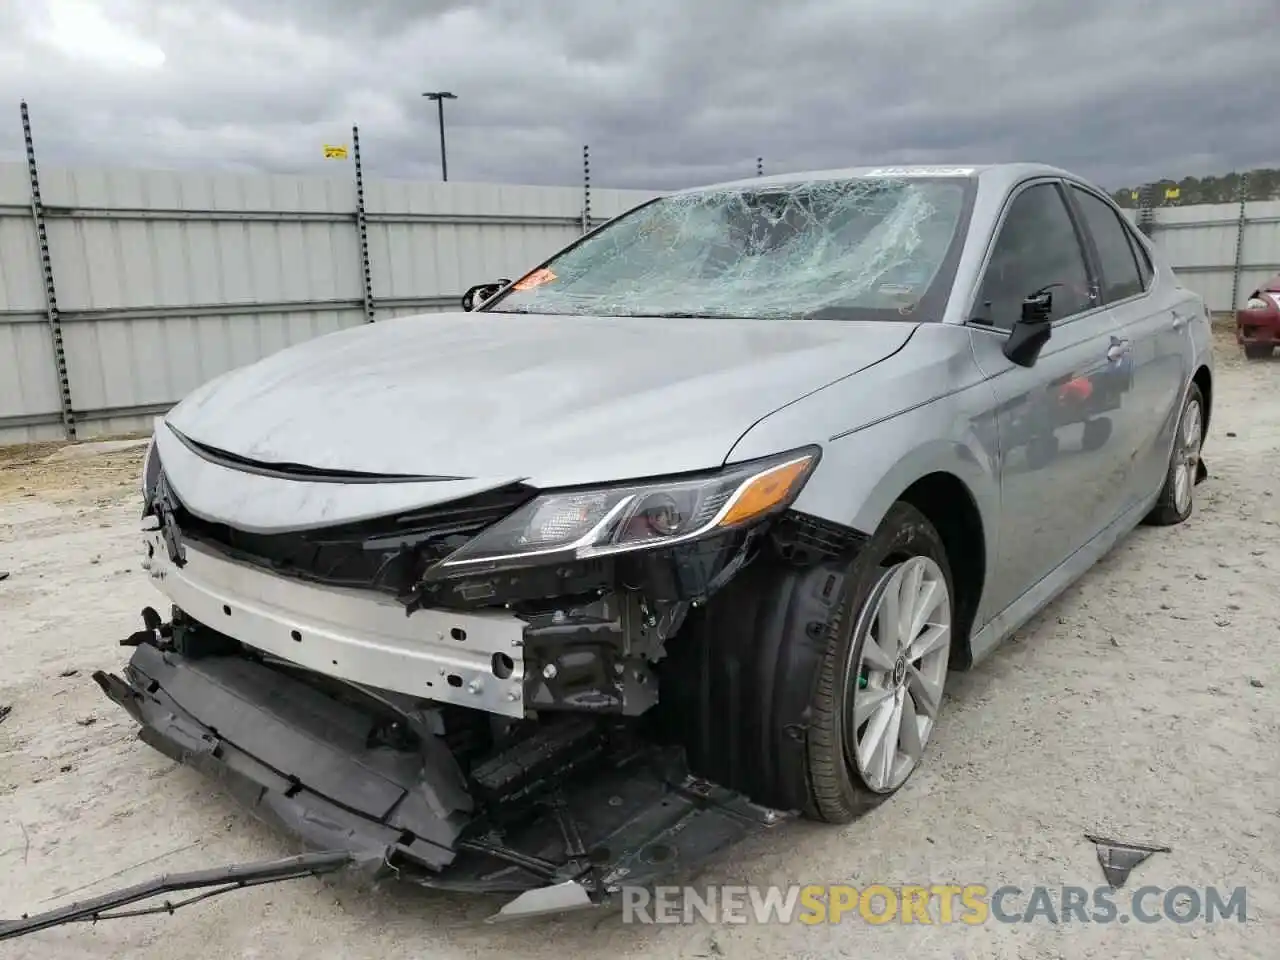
(1144, 704)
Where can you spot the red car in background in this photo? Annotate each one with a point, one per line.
(1258, 324)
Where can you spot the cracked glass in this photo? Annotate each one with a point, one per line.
(857, 248)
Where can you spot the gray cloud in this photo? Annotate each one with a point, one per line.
(667, 93)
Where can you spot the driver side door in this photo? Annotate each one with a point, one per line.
(1061, 466)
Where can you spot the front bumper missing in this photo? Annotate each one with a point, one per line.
(354, 635)
(301, 761)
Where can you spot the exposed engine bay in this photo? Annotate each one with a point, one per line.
(497, 727)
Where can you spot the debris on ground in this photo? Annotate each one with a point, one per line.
(1118, 857)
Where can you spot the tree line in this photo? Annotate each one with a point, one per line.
(1262, 184)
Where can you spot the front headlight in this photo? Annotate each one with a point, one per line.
(581, 524)
(1257, 303)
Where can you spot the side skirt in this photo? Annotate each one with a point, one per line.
(986, 640)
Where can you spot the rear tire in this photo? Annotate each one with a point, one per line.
(1258, 351)
(1177, 496)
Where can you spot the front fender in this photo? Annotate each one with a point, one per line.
(927, 409)
(862, 475)
(940, 417)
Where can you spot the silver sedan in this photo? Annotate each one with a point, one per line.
(742, 474)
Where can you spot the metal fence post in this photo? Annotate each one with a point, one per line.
(46, 269)
(586, 189)
(1146, 215)
(362, 227)
(759, 166)
(1241, 221)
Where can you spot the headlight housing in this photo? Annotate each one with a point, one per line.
(1257, 303)
(586, 523)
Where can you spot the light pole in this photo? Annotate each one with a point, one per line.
(440, 96)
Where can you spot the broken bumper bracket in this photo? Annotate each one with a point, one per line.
(289, 755)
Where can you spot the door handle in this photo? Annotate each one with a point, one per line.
(1117, 349)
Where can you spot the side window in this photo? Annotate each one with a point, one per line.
(1145, 269)
(1037, 247)
(1120, 276)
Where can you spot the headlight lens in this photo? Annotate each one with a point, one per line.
(1257, 303)
(579, 524)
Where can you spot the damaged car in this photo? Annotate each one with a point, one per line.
(675, 536)
(1258, 324)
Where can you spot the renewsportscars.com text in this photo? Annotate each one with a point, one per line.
(935, 904)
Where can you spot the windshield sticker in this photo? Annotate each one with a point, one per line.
(535, 279)
(825, 249)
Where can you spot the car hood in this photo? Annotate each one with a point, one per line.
(552, 400)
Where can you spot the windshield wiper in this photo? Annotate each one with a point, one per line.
(676, 315)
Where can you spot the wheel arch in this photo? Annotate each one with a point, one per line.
(950, 506)
(953, 482)
(738, 682)
(1203, 378)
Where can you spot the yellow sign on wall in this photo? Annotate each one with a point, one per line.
(332, 152)
(1172, 193)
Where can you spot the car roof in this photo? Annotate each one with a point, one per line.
(997, 175)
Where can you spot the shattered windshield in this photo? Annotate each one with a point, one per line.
(837, 249)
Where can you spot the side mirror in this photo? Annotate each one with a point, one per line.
(1031, 332)
(481, 292)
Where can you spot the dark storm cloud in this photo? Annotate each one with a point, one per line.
(667, 93)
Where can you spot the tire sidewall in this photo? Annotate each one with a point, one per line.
(1171, 476)
(905, 532)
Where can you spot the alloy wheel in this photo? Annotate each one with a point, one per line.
(1187, 456)
(895, 687)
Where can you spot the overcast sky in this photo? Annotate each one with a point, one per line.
(667, 92)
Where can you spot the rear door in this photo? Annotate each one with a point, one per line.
(1151, 321)
(1058, 488)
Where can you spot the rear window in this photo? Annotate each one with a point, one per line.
(1115, 251)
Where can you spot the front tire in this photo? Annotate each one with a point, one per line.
(1258, 351)
(760, 686)
(880, 684)
(1177, 496)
